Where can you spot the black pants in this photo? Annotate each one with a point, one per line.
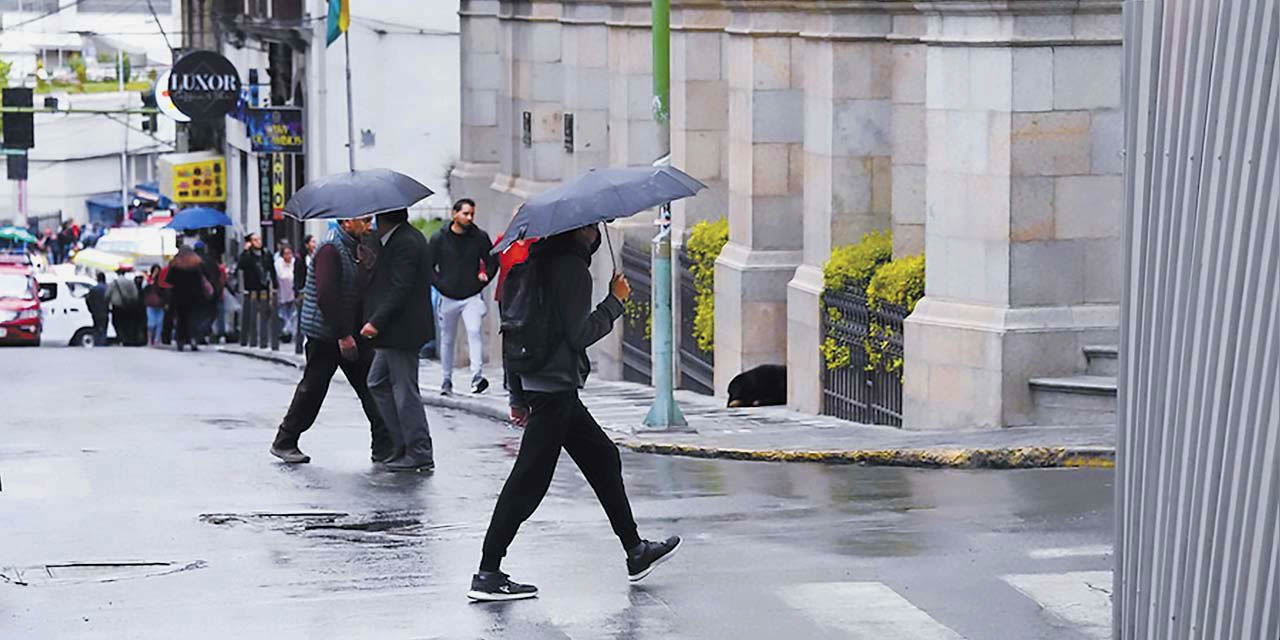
(558, 420)
(100, 328)
(184, 323)
(323, 360)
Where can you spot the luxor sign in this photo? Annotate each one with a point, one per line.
(204, 85)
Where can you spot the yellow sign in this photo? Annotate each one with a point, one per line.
(277, 185)
(203, 181)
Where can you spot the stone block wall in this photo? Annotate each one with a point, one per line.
(987, 137)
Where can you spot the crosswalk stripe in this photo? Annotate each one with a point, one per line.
(865, 610)
(1070, 552)
(1081, 599)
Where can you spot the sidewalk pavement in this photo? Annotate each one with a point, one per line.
(776, 434)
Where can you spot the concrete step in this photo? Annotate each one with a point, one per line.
(1104, 360)
(1074, 400)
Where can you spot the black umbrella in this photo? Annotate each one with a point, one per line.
(355, 194)
(596, 196)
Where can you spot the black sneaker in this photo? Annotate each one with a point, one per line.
(496, 586)
(642, 561)
(479, 385)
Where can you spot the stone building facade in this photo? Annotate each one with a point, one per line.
(986, 135)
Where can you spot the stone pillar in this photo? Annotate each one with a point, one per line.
(481, 84)
(848, 127)
(909, 140)
(766, 173)
(699, 131)
(1024, 200)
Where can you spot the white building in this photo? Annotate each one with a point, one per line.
(405, 94)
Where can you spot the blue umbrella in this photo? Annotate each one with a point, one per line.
(355, 194)
(599, 195)
(199, 218)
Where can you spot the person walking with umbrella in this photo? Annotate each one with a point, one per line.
(547, 325)
(332, 301)
(189, 288)
(398, 320)
(397, 309)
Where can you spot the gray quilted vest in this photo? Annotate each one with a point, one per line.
(313, 321)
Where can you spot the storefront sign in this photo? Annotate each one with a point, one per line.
(264, 188)
(275, 130)
(277, 186)
(204, 85)
(203, 181)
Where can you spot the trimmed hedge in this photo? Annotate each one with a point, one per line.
(854, 264)
(706, 239)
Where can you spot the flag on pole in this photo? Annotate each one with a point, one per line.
(339, 19)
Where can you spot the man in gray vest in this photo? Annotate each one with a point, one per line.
(332, 307)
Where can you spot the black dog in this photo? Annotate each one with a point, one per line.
(760, 387)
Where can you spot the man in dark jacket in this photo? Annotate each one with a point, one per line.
(462, 267)
(556, 418)
(96, 300)
(398, 321)
(331, 313)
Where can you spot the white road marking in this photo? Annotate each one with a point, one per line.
(1070, 552)
(1080, 600)
(866, 610)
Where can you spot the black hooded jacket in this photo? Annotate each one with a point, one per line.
(564, 269)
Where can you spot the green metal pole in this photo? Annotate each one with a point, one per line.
(665, 414)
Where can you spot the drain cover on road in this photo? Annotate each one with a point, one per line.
(81, 572)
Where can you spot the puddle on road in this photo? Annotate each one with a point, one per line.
(228, 424)
(86, 572)
(387, 529)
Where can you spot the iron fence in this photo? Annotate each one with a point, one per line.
(637, 355)
(697, 367)
(862, 390)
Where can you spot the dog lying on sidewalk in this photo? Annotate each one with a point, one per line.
(763, 386)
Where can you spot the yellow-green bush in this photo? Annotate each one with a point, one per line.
(854, 264)
(706, 239)
(898, 282)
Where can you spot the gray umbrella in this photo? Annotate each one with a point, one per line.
(596, 196)
(355, 194)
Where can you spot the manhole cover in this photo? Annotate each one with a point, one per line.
(81, 572)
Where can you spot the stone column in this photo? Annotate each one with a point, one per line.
(699, 129)
(766, 173)
(1024, 200)
(848, 127)
(481, 84)
(909, 140)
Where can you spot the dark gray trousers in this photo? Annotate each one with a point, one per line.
(393, 381)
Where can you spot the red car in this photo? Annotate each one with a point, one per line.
(19, 307)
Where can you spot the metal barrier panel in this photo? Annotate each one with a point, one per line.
(637, 354)
(697, 367)
(863, 390)
(1198, 475)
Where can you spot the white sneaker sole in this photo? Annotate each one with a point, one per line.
(482, 596)
(643, 574)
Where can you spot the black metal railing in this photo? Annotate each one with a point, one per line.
(868, 388)
(697, 367)
(637, 355)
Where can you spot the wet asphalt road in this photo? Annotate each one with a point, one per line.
(139, 501)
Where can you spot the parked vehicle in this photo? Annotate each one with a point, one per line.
(20, 321)
(65, 311)
(143, 246)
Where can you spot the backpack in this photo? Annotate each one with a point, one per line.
(527, 320)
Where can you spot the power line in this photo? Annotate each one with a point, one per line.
(160, 26)
(38, 18)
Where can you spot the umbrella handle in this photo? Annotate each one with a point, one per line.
(612, 256)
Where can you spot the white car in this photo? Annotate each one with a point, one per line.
(65, 311)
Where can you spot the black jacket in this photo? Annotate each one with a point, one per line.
(258, 270)
(456, 261)
(564, 269)
(398, 302)
(96, 299)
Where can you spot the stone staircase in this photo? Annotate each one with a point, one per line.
(1087, 398)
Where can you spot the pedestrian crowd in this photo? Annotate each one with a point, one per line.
(376, 291)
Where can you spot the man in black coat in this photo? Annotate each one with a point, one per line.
(398, 320)
(96, 300)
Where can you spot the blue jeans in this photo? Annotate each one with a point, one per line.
(155, 319)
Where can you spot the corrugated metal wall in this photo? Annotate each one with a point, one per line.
(1198, 481)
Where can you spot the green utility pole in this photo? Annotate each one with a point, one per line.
(665, 414)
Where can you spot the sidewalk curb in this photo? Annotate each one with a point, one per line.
(961, 458)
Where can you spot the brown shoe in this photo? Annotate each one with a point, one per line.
(285, 447)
